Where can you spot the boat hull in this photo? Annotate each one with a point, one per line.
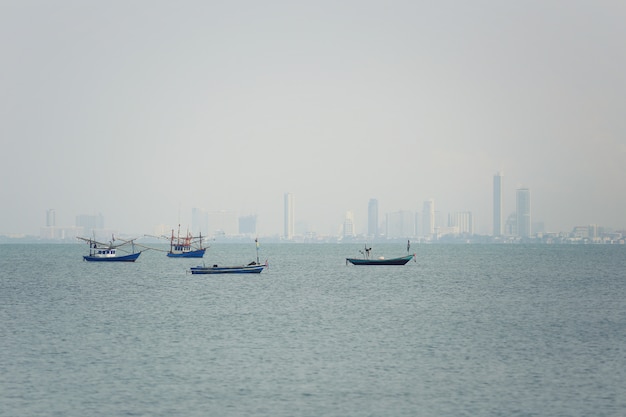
(125, 258)
(392, 261)
(193, 254)
(251, 269)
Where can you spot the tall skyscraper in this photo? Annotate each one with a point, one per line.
(497, 204)
(51, 218)
(372, 218)
(523, 212)
(289, 218)
(348, 225)
(428, 217)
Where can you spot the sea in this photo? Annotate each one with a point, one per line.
(464, 330)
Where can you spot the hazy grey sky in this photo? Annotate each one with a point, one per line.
(142, 110)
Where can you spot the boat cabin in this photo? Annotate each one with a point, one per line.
(105, 253)
(181, 248)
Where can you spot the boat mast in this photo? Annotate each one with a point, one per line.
(92, 249)
(172, 242)
(256, 243)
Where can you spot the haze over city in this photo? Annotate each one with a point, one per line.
(143, 110)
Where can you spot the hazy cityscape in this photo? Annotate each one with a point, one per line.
(428, 225)
(136, 119)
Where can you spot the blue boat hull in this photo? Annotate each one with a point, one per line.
(193, 254)
(126, 258)
(252, 269)
(393, 261)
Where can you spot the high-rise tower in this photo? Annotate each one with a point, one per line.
(372, 218)
(348, 225)
(523, 212)
(497, 204)
(51, 218)
(289, 220)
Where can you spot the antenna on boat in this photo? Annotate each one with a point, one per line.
(256, 243)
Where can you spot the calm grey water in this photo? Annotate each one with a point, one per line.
(467, 330)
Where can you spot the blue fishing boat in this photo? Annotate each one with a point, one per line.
(187, 246)
(107, 252)
(368, 260)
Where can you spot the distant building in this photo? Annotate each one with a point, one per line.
(90, 222)
(372, 218)
(49, 231)
(523, 212)
(247, 225)
(585, 232)
(463, 222)
(538, 227)
(51, 218)
(400, 224)
(510, 228)
(497, 205)
(288, 217)
(53, 232)
(348, 225)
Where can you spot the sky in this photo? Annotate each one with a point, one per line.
(143, 110)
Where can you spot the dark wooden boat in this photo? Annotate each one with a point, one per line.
(246, 269)
(251, 268)
(381, 261)
(367, 260)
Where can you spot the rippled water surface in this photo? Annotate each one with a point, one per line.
(474, 330)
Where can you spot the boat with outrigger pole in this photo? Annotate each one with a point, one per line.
(186, 246)
(108, 251)
(368, 260)
(254, 267)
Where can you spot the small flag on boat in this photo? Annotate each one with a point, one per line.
(256, 241)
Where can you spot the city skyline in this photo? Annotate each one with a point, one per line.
(427, 223)
(360, 216)
(144, 113)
